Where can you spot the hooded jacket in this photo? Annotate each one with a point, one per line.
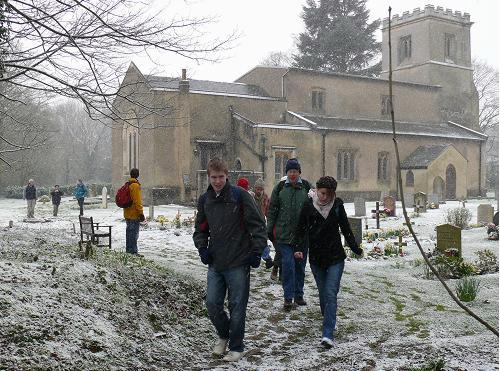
(323, 236)
(133, 212)
(230, 225)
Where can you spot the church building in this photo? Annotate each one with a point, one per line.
(335, 124)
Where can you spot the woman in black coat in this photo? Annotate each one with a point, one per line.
(320, 219)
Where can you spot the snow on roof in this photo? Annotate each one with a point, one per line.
(423, 156)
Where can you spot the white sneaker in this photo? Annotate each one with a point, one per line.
(220, 347)
(233, 356)
(327, 343)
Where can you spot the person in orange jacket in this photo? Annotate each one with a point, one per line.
(134, 214)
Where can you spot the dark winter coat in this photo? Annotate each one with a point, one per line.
(284, 209)
(30, 192)
(231, 230)
(325, 244)
(56, 196)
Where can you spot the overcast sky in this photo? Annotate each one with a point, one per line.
(272, 25)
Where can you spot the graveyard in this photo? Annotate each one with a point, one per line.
(109, 310)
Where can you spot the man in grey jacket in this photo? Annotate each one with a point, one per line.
(230, 235)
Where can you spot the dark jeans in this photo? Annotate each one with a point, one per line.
(80, 203)
(328, 283)
(292, 272)
(131, 236)
(56, 208)
(236, 282)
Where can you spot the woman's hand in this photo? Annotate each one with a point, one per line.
(298, 255)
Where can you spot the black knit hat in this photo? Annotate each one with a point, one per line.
(292, 164)
(327, 182)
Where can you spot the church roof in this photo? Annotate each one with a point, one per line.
(443, 130)
(210, 87)
(423, 156)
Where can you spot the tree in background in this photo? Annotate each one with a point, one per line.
(277, 59)
(486, 81)
(338, 37)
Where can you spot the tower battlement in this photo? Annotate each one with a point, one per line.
(428, 11)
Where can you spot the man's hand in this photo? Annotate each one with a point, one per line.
(142, 218)
(357, 250)
(254, 260)
(298, 255)
(205, 256)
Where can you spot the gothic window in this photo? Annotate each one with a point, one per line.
(385, 105)
(345, 164)
(280, 159)
(404, 48)
(383, 166)
(130, 149)
(410, 179)
(318, 100)
(449, 47)
(209, 150)
(237, 164)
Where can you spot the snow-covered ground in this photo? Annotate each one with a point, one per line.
(389, 316)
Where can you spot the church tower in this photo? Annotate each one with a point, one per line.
(432, 47)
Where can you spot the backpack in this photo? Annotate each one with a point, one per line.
(305, 183)
(123, 198)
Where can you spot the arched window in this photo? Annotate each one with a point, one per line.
(410, 179)
(237, 164)
(383, 166)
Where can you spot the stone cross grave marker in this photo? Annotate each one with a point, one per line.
(400, 244)
(485, 213)
(359, 206)
(420, 199)
(449, 237)
(104, 199)
(390, 204)
(356, 224)
(377, 213)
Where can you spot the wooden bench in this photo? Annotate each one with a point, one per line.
(92, 232)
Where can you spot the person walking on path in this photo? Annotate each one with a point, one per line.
(262, 200)
(80, 193)
(56, 194)
(230, 234)
(286, 201)
(319, 222)
(134, 214)
(30, 195)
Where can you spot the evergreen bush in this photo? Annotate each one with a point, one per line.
(459, 216)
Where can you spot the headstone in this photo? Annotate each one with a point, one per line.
(11, 223)
(408, 200)
(485, 213)
(151, 212)
(104, 204)
(433, 198)
(400, 244)
(420, 202)
(357, 228)
(449, 237)
(390, 204)
(359, 206)
(376, 213)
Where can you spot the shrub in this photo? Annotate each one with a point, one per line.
(432, 366)
(390, 249)
(459, 216)
(453, 266)
(487, 263)
(467, 288)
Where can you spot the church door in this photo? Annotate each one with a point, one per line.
(451, 182)
(438, 187)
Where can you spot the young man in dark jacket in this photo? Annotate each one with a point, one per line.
(319, 222)
(286, 201)
(230, 234)
(56, 194)
(30, 195)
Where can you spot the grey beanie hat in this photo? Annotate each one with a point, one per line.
(259, 183)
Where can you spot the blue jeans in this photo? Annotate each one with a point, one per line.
(236, 282)
(131, 236)
(266, 254)
(328, 283)
(292, 272)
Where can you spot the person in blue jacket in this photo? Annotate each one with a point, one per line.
(80, 193)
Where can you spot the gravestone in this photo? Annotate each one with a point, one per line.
(151, 206)
(359, 206)
(390, 204)
(434, 199)
(104, 203)
(485, 213)
(376, 213)
(408, 200)
(449, 237)
(357, 228)
(420, 202)
(400, 244)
